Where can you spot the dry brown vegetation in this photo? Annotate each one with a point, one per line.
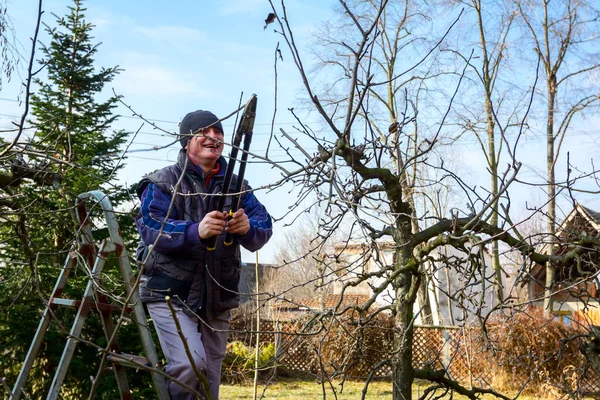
(539, 355)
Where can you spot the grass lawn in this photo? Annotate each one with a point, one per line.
(309, 390)
(305, 390)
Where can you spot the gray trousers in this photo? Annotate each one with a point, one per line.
(207, 341)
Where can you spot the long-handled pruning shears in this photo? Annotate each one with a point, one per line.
(244, 129)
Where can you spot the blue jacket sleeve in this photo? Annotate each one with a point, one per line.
(261, 226)
(158, 228)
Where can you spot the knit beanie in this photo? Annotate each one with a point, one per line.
(194, 121)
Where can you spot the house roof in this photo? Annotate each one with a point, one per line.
(591, 216)
(331, 301)
(357, 246)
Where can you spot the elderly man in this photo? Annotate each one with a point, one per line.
(176, 218)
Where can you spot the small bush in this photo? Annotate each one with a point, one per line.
(240, 360)
(537, 353)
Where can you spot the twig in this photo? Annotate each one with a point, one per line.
(201, 377)
(10, 393)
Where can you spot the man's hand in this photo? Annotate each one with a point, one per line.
(212, 224)
(239, 224)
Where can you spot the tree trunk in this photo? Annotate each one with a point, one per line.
(550, 272)
(402, 369)
(488, 79)
(406, 287)
(551, 88)
(493, 164)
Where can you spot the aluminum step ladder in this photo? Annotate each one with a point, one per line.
(94, 259)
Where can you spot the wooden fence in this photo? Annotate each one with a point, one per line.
(457, 350)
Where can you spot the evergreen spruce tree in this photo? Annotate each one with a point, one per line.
(72, 151)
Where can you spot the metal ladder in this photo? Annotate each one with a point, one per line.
(94, 259)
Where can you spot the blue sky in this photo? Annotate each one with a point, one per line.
(184, 55)
(181, 56)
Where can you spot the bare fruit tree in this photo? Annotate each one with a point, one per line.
(367, 177)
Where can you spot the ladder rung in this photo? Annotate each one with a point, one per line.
(65, 302)
(128, 360)
(76, 303)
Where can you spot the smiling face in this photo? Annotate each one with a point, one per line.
(205, 148)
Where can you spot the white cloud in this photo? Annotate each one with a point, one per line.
(145, 77)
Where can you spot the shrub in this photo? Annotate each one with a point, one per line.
(537, 353)
(239, 363)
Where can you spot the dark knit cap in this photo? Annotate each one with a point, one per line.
(195, 121)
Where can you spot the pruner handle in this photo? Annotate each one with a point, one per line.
(212, 241)
(211, 244)
(228, 236)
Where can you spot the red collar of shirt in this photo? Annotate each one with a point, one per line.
(211, 174)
